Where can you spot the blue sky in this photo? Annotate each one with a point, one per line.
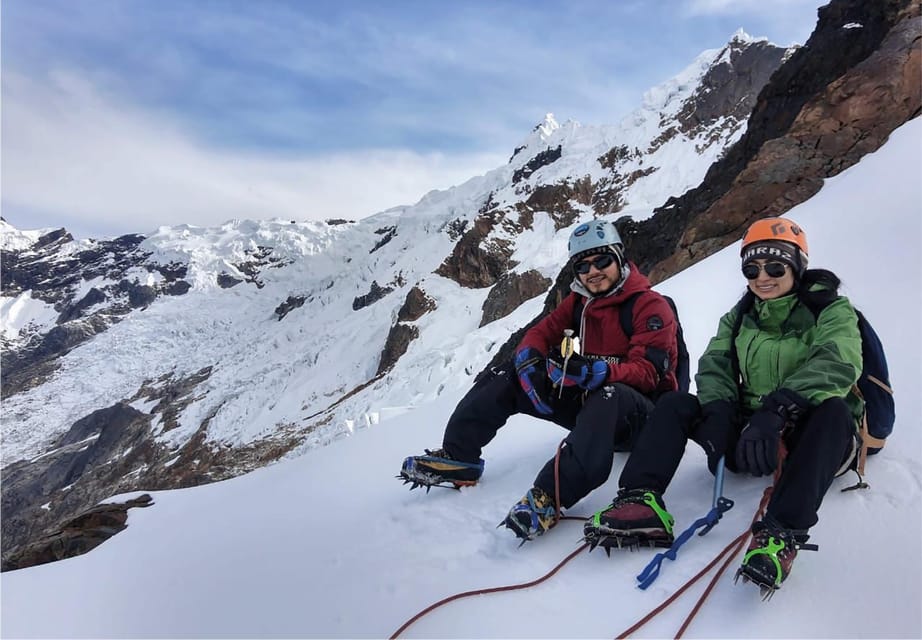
(119, 116)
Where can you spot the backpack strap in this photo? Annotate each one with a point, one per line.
(742, 308)
(626, 314)
(867, 440)
(578, 307)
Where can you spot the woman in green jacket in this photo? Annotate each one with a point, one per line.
(784, 380)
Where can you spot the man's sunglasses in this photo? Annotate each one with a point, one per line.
(602, 262)
(773, 269)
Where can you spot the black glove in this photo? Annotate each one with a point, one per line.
(718, 420)
(580, 371)
(530, 368)
(571, 375)
(757, 450)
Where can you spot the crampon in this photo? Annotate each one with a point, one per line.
(770, 558)
(418, 478)
(632, 540)
(766, 584)
(437, 469)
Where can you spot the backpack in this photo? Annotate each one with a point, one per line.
(626, 319)
(874, 382)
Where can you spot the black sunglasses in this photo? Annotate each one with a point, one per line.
(773, 269)
(602, 262)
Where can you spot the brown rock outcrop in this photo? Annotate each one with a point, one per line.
(511, 291)
(477, 261)
(84, 533)
(835, 100)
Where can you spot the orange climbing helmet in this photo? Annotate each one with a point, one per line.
(775, 229)
(764, 237)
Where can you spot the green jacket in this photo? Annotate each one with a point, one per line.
(781, 345)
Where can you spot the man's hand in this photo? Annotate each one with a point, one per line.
(579, 371)
(532, 378)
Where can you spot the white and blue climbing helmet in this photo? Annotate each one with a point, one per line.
(597, 236)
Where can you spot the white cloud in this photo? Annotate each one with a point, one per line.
(69, 148)
(742, 7)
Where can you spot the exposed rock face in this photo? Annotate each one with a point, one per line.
(726, 93)
(257, 259)
(560, 200)
(291, 303)
(63, 479)
(374, 294)
(511, 291)
(398, 341)
(833, 101)
(84, 533)
(415, 306)
(543, 159)
(387, 234)
(477, 261)
(226, 281)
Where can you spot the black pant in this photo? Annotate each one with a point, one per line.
(817, 447)
(603, 422)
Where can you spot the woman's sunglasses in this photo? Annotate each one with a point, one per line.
(602, 262)
(773, 269)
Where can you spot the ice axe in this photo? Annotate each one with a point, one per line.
(719, 506)
(568, 347)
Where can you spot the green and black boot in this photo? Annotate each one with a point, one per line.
(637, 517)
(770, 556)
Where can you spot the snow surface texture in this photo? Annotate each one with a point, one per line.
(268, 375)
(330, 545)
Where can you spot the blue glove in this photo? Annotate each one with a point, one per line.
(532, 378)
(598, 374)
(579, 371)
(757, 450)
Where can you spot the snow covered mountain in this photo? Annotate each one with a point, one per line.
(189, 355)
(329, 545)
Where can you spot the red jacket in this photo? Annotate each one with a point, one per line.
(631, 361)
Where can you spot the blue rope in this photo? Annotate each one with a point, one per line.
(720, 505)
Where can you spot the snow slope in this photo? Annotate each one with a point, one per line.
(329, 545)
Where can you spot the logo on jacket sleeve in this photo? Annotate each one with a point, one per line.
(654, 323)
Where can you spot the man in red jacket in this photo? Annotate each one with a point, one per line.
(601, 391)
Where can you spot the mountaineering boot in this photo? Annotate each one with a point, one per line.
(437, 468)
(531, 516)
(636, 517)
(771, 554)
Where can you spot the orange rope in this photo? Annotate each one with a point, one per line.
(514, 587)
(735, 546)
(478, 592)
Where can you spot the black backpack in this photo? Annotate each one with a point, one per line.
(626, 318)
(874, 383)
